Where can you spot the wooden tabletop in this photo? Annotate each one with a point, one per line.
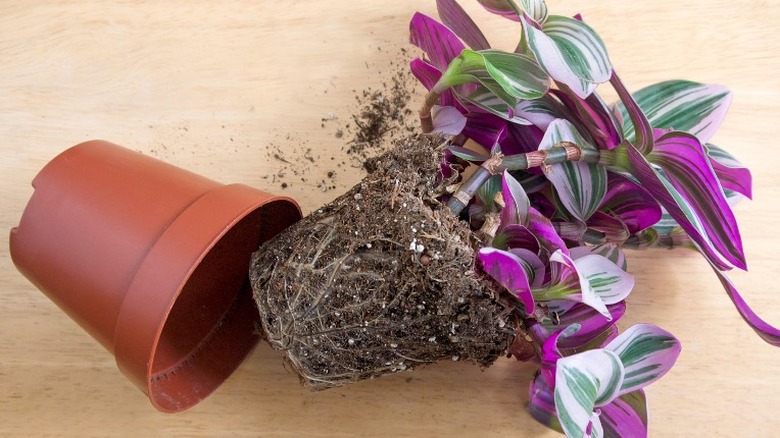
(215, 87)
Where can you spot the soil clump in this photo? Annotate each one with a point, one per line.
(380, 280)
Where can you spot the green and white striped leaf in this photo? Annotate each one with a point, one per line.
(467, 154)
(696, 108)
(606, 279)
(541, 112)
(518, 75)
(536, 9)
(488, 191)
(571, 52)
(574, 284)
(580, 186)
(490, 102)
(583, 382)
(647, 352)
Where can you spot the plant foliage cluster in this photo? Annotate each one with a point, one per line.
(557, 183)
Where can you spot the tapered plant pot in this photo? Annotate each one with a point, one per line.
(152, 261)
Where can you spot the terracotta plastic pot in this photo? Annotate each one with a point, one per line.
(152, 261)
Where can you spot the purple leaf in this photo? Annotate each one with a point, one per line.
(644, 132)
(435, 39)
(484, 128)
(613, 228)
(675, 204)
(453, 15)
(550, 353)
(521, 139)
(592, 324)
(593, 115)
(737, 179)
(515, 236)
(731, 173)
(631, 203)
(767, 332)
(516, 201)
(626, 416)
(447, 120)
(534, 265)
(504, 8)
(541, 404)
(511, 272)
(685, 163)
(428, 75)
(544, 231)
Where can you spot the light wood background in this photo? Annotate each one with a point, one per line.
(213, 86)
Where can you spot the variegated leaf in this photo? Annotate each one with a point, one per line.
(730, 172)
(541, 112)
(573, 285)
(516, 201)
(643, 131)
(484, 128)
(606, 279)
(570, 52)
(634, 165)
(580, 186)
(594, 117)
(467, 154)
(698, 109)
(626, 416)
(610, 251)
(545, 232)
(488, 191)
(505, 8)
(592, 324)
(647, 352)
(515, 236)
(535, 9)
(511, 272)
(428, 75)
(583, 382)
(436, 40)
(767, 332)
(518, 75)
(453, 15)
(541, 404)
(486, 99)
(687, 168)
(631, 203)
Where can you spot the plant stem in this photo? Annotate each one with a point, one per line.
(426, 121)
(558, 153)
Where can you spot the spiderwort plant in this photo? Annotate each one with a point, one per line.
(562, 182)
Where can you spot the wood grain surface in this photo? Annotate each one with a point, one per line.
(214, 87)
